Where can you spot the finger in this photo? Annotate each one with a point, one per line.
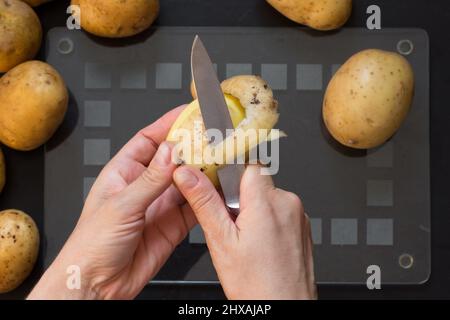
(309, 255)
(169, 212)
(176, 198)
(151, 183)
(206, 203)
(255, 186)
(143, 145)
(306, 235)
(189, 216)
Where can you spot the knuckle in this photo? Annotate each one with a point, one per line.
(294, 200)
(293, 208)
(151, 177)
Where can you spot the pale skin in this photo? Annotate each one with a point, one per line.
(143, 205)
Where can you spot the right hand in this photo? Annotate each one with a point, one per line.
(266, 253)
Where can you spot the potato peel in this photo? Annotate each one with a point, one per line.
(254, 96)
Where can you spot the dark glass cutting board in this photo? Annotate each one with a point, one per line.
(366, 208)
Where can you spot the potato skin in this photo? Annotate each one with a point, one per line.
(321, 15)
(117, 18)
(2, 171)
(368, 98)
(19, 248)
(33, 102)
(21, 33)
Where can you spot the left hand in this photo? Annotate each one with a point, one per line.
(132, 221)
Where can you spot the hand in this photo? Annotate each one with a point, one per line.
(267, 252)
(132, 220)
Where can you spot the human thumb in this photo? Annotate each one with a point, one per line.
(206, 203)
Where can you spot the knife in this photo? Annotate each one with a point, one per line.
(215, 115)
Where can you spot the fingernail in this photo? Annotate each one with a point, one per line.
(185, 178)
(164, 154)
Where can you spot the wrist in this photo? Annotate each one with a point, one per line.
(65, 280)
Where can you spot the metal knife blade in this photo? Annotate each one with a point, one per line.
(212, 103)
(215, 115)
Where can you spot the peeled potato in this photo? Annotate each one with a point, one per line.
(2, 171)
(20, 33)
(117, 18)
(35, 3)
(252, 106)
(318, 14)
(33, 102)
(368, 98)
(19, 247)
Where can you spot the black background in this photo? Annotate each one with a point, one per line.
(25, 171)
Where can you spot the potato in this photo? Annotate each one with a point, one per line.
(318, 14)
(19, 247)
(35, 3)
(251, 105)
(20, 34)
(117, 18)
(2, 171)
(368, 98)
(33, 102)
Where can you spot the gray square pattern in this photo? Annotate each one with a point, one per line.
(344, 231)
(380, 193)
(235, 69)
(97, 76)
(97, 152)
(380, 232)
(196, 236)
(309, 77)
(275, 75)
(382, 157)
(97, 113)
(133, 76)
(169, 76)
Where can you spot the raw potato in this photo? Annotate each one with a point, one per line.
(368, 98)
(19, 247)
(117, 18)
(35, 3)
(20, 34)
(2, 171)
(318, 14)
(33, 102)
(252, 106)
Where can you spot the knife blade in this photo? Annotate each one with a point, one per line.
(215, 115)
